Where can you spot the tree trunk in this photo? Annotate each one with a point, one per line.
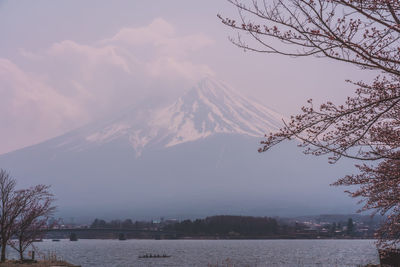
(21, 251)
(3, 249)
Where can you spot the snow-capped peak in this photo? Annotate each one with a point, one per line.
(211, 107)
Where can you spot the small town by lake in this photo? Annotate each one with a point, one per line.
(282, 253)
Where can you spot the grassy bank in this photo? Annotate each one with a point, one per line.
(40, 263)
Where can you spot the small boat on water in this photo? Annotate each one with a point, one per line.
(73, 237)
(56, 240)
(152, 256)
(121, 237)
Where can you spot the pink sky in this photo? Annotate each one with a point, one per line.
(66, 63)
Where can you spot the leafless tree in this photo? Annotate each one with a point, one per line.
(32, 221)
(22, 212)
(10, 208)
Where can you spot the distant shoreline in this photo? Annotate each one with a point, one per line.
(234, 238)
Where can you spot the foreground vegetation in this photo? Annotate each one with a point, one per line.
(23, 214)
(366, 126)
(43, 263)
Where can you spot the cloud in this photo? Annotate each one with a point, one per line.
(160, 36)
(89, 55)
(69, 83)
(168, 68)
(31, 110)
(156, 31)
(135, 63)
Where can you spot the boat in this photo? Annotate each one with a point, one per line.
(56, 240)
(121, 237)
(73, 237)
(152, 256)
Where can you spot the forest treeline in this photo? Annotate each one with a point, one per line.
(227, 225)
(215, 225)
(231, 226)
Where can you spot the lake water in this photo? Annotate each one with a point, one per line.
(109, 253)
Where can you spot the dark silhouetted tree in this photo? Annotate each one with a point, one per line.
(350, 226)
(10, 209)
(21, 212)
(30, 223)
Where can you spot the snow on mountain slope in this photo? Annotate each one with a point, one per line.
(210, 108)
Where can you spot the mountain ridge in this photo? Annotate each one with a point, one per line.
(211, 107)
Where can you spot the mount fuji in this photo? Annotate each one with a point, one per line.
(208, 109)
(195, 157)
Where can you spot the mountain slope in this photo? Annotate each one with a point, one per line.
(210, 108)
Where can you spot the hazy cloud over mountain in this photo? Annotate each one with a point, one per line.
(130, 53)
(69, 83)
